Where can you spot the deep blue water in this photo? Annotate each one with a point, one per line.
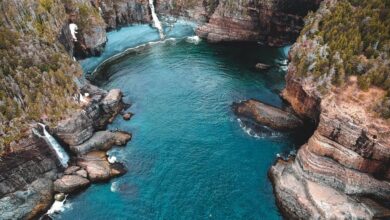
(189, 157)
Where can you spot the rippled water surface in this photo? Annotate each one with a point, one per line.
(189, 157)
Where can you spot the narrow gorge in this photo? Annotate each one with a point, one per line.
(157, 109)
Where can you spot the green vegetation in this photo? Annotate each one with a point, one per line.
(88, 17)
(36, 74)
(351, 37)
(46, 4)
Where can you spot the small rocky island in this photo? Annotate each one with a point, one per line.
(54, 134)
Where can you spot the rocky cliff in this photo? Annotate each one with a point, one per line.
(272, 22)
(343, 170)
(26, 179)
(39, 83)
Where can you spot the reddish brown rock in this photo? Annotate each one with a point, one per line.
(127, 116)
(98, 167)
(343, 170)
(273, 22)
(267, 115)
(102, 140)
(70, 183)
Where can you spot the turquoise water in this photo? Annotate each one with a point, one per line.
(189, 157)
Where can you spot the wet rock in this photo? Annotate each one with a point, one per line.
(98, 167)
(267, 115)
(102, 140)
(70, 183)
(262, 66)
(127, 116)
(59, 197)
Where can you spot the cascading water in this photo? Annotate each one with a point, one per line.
(156, 21)
(62, 156)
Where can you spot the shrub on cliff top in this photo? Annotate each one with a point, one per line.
(355, 34)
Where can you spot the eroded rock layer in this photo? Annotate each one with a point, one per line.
(272, 22)
(343, 170)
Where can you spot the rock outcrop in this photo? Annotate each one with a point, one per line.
(70, 183)
(272, 22)
(27, 174)
(101, 140)
(98, 168)
(124, 12)
(267, 115)
(80, 126)
(342, 172)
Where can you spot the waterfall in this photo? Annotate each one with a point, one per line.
(156, 21)
(62, 156)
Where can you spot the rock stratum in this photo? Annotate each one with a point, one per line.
(273, 22)
(31, 174)
(342, 172)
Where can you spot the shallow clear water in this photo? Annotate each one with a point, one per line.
(189, 157)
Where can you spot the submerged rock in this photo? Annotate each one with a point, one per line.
(267, 115)
(70, 183)
(262, 66)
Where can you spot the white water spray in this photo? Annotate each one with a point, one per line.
(156, 21)
(62, 156)
(57, 207)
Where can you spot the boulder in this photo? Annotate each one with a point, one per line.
(82, 173)
(59, 197)
(102, 140)
(75, 129)
(267, 115)
(127, 116)
(70, 183)
(71, 170)
(98, 167)
(112, 101)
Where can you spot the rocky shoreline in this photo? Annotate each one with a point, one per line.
(342, 171)
(33, 173)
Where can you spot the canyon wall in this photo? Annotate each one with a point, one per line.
(39, 84)
(343, 170)
(272, 22)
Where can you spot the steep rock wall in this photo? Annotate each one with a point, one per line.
(26, 177)
(272, 22)
(343, 170)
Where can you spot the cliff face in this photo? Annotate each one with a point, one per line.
(36, 72)
(343, 170)
(272, 22)
(26, 179)
(39, 84)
